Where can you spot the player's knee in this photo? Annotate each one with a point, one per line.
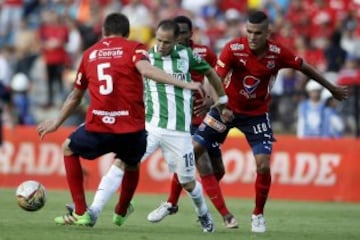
(66, 149)
(262, 163)
(263, 169)
(189, 186)
(118, 163)
(218, 166)
(203, 165)
(187, 182)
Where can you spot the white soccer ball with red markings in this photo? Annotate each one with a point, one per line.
(31, 195)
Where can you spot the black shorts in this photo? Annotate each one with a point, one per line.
(257, 130)
(129, 147)
(213, 149)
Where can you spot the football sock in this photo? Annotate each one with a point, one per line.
(74, 176)
(175, 190)
(130, 182)
(262, 187)
(198, 199)
(109, 184)
(212, 188)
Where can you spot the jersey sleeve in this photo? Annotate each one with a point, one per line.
(223, 64)
(81, 81)
(289, 59)
(197, 63)
(211, 57)
(140, 53)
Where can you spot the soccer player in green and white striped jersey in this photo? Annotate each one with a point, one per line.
(169, 112)
(168, 106)
(168, 119)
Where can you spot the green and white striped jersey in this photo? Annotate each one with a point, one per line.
(168, 106)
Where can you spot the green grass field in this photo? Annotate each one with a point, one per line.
(285, 220)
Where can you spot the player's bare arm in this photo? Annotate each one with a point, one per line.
(203, 105)
(222, 101)
(72, 101)
(215, 81)
(147, 70)
(338, 92)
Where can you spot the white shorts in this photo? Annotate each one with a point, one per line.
(176, 148)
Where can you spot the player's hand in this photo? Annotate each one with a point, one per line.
(47, 127)
(196, 86)
(340, 92)
(227, 115)
(202, 105)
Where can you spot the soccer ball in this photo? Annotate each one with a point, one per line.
(31, 195)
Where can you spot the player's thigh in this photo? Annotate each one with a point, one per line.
(203, 164)
(258, 133)
(153, 143)
(130, 147)
(179, 155)
(88, 145)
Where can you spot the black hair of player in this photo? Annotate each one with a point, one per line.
(185, 20)
(257, 17)
(116, 24)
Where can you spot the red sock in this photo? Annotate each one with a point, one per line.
(129, 184)
(213, 190)
(74, 176)
(262, 187)
(175, 190)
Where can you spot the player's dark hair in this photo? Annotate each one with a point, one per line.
(257, 17)
(169, 25)
(185, 20)
(117, 24)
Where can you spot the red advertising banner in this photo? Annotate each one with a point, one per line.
(312, 169)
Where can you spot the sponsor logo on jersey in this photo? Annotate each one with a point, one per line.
(92, 55)
(273, 48)
(106, 53)
(181, 65)
(109, 117)
(179, 76)
(200, 50)
(214, 123)
(270, 64)
(243, 61)
(237, 46)
(240, 54)
(110, 113)
(250, 84)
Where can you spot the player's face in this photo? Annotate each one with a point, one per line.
(185, 34)
(257, 35)
(165, 41)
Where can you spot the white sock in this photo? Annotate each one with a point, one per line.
(197, 196)
(109, 184)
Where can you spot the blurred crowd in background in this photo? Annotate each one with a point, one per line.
(41, 42)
